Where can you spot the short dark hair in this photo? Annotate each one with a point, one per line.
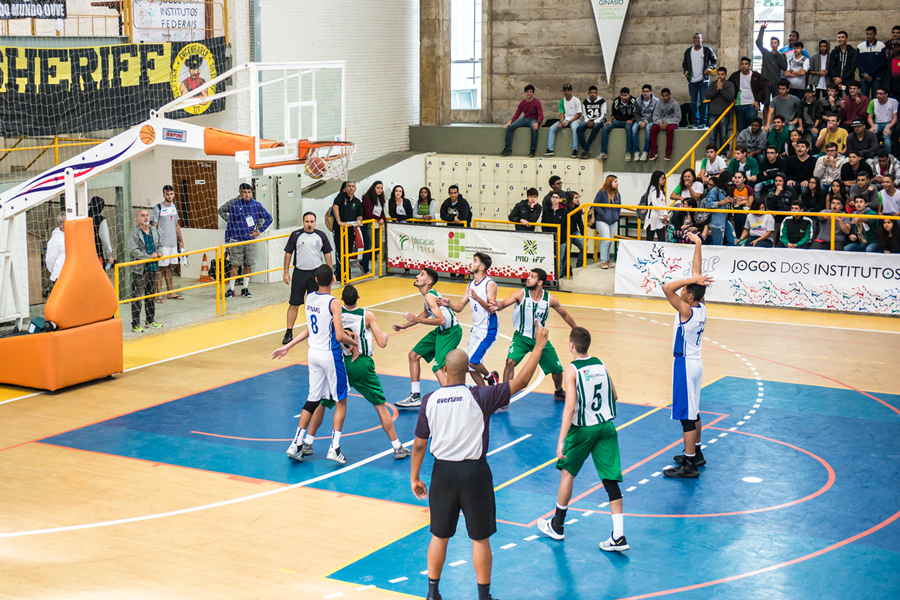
(432, 275)
(798, 44)
(324, 275)
(740, 148)
(872, 29)
(554, 179)
(529, 87)
(796, 32)
(711, 147)
(796, 202)
(696, 291)
(593, 87)
(624, 91)
(647, 86)
(773, 148)
(747, 58)
(862, 173)
(881, 88)
(453, 187)
(779, 118)
(541, 275)
(844, 32)
(756, 120)
(852, 83)
(168, 188)
(666, 91)
(722, 70)
(882, 153)
(531, 192)
(309, 213)
(784, 83)
(856, 152)
(831, 145)
(484, 259)
(555, 193)
(803, 141)
(349, 296)
(245, 186)
(581, 339)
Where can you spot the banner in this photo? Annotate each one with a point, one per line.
(32, 9)
(449, 250)
(156, 21)
(50, 91)
(817, 279)
(610, 15)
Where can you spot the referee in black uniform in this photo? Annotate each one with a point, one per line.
(307, 249)
(456, 419)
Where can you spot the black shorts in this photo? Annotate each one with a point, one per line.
(467, 486)
(302, 283)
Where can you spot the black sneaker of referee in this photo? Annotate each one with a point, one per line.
(288, 337)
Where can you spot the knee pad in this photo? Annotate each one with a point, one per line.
(612, 489)
(311, 407)
(688, 425)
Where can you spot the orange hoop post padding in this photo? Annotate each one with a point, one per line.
(218, 142)
(83, 293)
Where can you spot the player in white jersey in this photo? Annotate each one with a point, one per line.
(327, 375)
(587, 430)
(445, 336)
(482, 291)
(687, 371)
(534, 303)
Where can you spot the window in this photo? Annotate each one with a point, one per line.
(465, 54)
(771, 12)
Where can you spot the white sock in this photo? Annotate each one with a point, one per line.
(690, 455)
(561, 507)
(309, 440)
(396, 444)
(299, 435)
(415, 387)
(697, 446)
(231, 284)
(618, 526)
(336, 439)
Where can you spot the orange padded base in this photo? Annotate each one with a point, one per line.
(51, 361)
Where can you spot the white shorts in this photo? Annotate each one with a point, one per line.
(480, 340)
(168, 251)
(687, 377)
(327, 375)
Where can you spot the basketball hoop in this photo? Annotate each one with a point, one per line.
(326, 160)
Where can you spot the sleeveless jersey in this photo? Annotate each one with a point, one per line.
(688, 337)
(320, 322)
(482, 320)
(528, 310)
(449, 318)
(594, 400)
(355, 321)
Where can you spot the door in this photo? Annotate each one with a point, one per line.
(196, 193)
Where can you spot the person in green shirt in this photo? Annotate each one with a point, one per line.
(862, 231)
(745, 164)
(779, 136)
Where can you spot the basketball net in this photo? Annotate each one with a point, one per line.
(327, 160)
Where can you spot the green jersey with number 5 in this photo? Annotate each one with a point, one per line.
(594, 402)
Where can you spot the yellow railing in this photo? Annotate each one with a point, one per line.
(691, 152)
(373, 251)
(55, 145)
(220, 265)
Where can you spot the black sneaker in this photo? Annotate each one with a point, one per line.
(531, 153)
(493, 378)
(685, 470)
(574, 153)
(245, 293)
(549, 152)
(699, 459)
(506, 152)
(559, 395)
(288, 337)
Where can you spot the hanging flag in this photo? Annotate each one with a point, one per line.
(609, 14)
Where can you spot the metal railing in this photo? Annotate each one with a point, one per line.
(732, 139)
(557, 234)
(345, 255)
(56, 143)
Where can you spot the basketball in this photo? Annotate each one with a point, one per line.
(148, 134)
(315, 167)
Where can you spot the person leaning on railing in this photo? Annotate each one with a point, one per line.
(558, 215)
(796, 232)
(426, 206)
(606, 217)
(758, 229)
(842, 227)
(527, 211)
(862, 234)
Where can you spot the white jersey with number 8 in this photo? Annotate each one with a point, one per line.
(320, 322)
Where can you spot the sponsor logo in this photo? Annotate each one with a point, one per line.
(531, 247)
(175, 135)
(404, 241)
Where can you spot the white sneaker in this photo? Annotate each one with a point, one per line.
(604, 155)
(643, 156)
(611, 545)
(294, 452)
(402, 452)
(628, 157)
(411, 401)
(335, 455)
(545, 527)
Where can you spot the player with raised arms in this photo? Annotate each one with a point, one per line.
(687, 371)
(534, 303)
(445, 336)
(482, 291)
(327, 374)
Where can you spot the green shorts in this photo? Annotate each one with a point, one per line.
(362, 376)
(437, 344)
(601, 442)
(327, 403)
(522, 345)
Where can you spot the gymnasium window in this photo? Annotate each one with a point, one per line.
(771, 11)
(465, 54)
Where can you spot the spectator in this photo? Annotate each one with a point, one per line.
(862, 140)
(556, 184)
(853, 107)
(606, 217)
(800, 167)
(758, 229)
(883, 116)
(646, 104)
(557, 215)
(594, 119)
(864, 189)
(862, 233)
(143, 243)
(698, 64)
(871, 62)
(399, 206)
(818, 69)
(813, 196)
(623, 116)
(102, 242)
(306, 249)
(811, 114)
(750, 94)
(785, 105)
(788, 49)
(779, 199)
(666, 117)
(779, 136)
(426, 206)
(711, 166)
(720, 96)
(822, 241)
(246, 219)
(743, 199)
(796, 232)
(754, 139)
(570, 111)
(656, 221)
(797, 68)
(55, 256)
(887, 238)
(165, 219)
(374, 207)
(832, 134)
(532, 114)
(455, 210)
(689, 188)
(527, 211)
(793, 138)
(842, 62)
(744, 163)
(852, 168)
(889, 197)
(720, 198)
(347, 211)
(831, 102)
(774, 63)
(769, 167)
(573, 200)
(892, 79)
(828, 167)
(837, 191)
(885, 165)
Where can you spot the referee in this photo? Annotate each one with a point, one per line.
(455, 417)
(307, 248)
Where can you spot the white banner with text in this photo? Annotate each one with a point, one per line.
(818, 279)
(449, 250)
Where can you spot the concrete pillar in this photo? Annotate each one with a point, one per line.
(434, 63)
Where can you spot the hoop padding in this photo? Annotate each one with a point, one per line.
(336, 156)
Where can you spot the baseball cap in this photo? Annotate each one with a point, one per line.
(567, 86)
(858, 123)
(810, 88)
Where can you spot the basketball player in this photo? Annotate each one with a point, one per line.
(482, 291)
(687, 373)
(587, 429)
(532, 303)
(437, 343)
(361, 371)
(327, 374)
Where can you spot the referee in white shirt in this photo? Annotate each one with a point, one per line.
(456, 419)
(306, 249)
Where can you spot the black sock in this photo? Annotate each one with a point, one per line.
(484, 591)
(433, 587)
(559, 518)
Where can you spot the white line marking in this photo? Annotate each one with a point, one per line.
(761, 394)
(739, 423)
(722, 435)
(457, 563)
(753, 412)
(751, 366)
(425, 572)
(508, 546)
(643, 481)
(570, 521)
(667, 467)
(654, 321)
(713, 441)
(604, 505)
(23, 397)
(746, 417)
(334, 595)
(739, 356)
(729, 429)
(531, 537)
(367, 587)
(398, 580)
(656, 474)
(642, 318)
(703, 447)
(512, 443)
(631, 489)
(588, 513)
